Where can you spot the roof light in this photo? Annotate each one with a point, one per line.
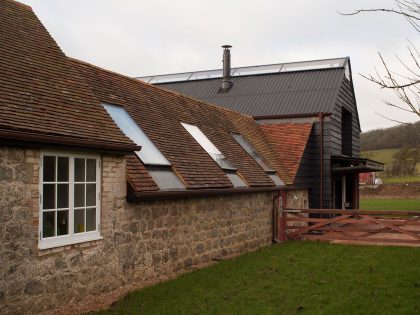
(165, 178)
(236, 180)
(251, 70)
(208, 146)
(251, 151)
(149, 153)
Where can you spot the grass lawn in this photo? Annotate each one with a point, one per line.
(291, 278)
(390, 204)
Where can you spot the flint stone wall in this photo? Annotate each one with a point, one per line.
(142, 242)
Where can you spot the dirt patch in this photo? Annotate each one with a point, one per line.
(385, 191)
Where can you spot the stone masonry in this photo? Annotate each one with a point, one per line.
(142, 242)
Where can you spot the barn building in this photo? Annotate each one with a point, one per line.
(308, 112)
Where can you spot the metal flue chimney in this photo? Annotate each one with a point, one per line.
(226, 83)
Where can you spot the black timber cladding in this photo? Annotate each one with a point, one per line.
(301, 92)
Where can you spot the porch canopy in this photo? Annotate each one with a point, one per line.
(345, 164)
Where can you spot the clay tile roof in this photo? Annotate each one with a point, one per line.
(138, 176)
(47, 97)
(42, 96)
(288, 141)
(160, 112)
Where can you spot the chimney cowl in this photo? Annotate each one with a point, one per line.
(226, 82)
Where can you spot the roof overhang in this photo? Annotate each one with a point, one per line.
(345, 164)
(39, 139)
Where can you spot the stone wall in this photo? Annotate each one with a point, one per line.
(142, 242)
(297, 199)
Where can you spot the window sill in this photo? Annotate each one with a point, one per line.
(65, 241)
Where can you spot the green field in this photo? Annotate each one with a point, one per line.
(291, 278)
(386, 157)
(390, 204)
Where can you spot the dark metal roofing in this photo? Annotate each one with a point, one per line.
(288, 93)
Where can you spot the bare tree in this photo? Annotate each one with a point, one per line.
(405, 85)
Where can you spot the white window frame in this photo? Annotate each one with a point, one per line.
(71, 238)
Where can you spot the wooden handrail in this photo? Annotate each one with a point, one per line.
(355, 212)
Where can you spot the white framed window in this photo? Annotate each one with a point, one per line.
(69, 200)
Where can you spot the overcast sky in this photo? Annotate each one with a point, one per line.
(137, 38)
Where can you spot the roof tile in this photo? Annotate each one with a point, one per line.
(160, 112)
(288, 141)
(40, 91)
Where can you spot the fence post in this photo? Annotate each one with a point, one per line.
(282, 218)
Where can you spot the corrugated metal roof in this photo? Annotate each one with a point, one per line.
(301, 92)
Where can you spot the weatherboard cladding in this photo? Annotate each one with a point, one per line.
(301, 92)
(41, 93)
(160, 113)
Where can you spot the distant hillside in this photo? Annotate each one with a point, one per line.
(391, 138)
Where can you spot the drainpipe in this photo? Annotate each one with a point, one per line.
(321, 164)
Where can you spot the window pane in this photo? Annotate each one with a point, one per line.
(90, 219)
(79, 170)
(276, 180)
(63, 169)
(48, 223)
(90, 170)
(62, 196)
(48, 198)
(208, 146)
(165, 178)
(79, 195)
(201, 138)
(49, 169)
(63, 222)
(251, 151)
(79, 220)
(236, 180)
(90, 194)
(149, 153)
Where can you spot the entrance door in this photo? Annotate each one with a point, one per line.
(337, 192)
(343, 191)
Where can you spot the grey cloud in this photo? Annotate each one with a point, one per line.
(154, 37)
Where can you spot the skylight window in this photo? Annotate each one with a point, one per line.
(149, 153)
(236, 180)
(251, 151)
(276, 179)
(207, 145)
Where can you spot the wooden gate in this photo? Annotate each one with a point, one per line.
(380, 227)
